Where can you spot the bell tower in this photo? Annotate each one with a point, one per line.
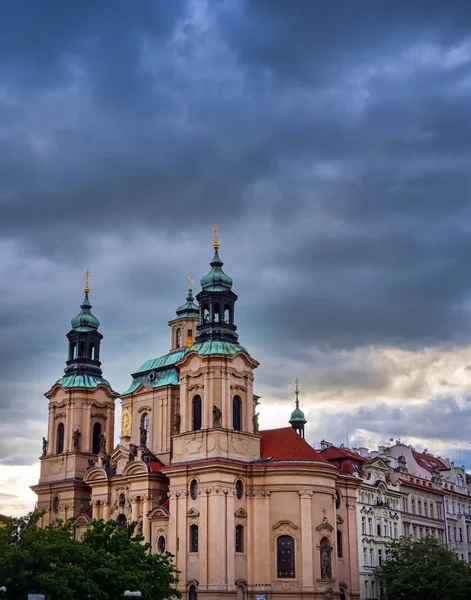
(185, 324)
(217, 415)
(81, 421)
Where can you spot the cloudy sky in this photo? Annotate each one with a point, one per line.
(330, 141)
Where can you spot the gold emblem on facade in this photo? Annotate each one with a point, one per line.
(126, 422)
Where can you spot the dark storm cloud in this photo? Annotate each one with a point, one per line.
(332, 146)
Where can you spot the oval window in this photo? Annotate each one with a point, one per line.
(161, 544)
(194, 489)
(239, 489)
(55, 505)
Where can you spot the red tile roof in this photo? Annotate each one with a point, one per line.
(285, 445)
(422, 486)
(155, 466)
(428, 462)
(335, 453)
(3, 517)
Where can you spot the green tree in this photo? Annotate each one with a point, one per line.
(101, 565)
(424, 570)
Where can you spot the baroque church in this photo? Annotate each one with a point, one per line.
(246, 512)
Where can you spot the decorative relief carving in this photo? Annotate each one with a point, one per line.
(258, 494)
(59, 415)
(284, 525)
(99, 416)
(306, 494)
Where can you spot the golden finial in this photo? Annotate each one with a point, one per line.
(86, 289)
(216, 245)
(190, 281)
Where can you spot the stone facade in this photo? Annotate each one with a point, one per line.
(244, 512)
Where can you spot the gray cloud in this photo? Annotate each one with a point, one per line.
(332, 146)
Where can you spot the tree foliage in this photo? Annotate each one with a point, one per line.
(424, 570)
(101, 565)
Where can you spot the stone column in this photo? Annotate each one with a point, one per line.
(261, 529)
(87, 427)
(109, 430)
(106, 510)
(184, 408)
(68, 426)
(135, 508)
(172, 542)
(306, 541)
(207, 403)
(145, 518)
(182, 534)
(227, 383)
(224, 399)
(203, 530)
(219, 544)
(52, 442)
(249, 408)
(230, 535)
(95, 509)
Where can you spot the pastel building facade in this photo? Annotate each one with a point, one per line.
(246, 512)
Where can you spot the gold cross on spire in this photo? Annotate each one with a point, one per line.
(216, 236)
(190, 281)
(86, 289)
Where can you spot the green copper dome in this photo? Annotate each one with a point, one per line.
(189, 309)
(216, 280)
(85, 320)
(297, 416)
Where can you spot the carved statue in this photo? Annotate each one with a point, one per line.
(76, 439)
(326, 561)
(132, 452)
(143, 436)
(176, 425)
(102, 444)
(255, 422)
(91, 463)
(105, 461)
(217, 416)
(45, 445)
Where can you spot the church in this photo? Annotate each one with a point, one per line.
(246, 512)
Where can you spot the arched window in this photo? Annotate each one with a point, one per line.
(92, 351)
(205, 313)
(342, 594)
(237, 413)
(161, 544)
(145, 424)
(193, 538)
(227, 314)
(337, 499)
(285, 557)
(239, 489)
(122, 521)
(194, 489)
(196, 413)
(178, 338)
(192, 593)
(96, 438)
(239, 538)
(339, 544)
(216, 313)
(55, 505)
(81, 350)
(60, 438)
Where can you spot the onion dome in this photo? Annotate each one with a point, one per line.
(216, 280)
(189, 309)
(85, 320)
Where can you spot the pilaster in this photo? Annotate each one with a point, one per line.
(305, 499)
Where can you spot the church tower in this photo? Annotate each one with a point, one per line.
(81, 422)
(184, 325)
(217, 406)
(297, 419)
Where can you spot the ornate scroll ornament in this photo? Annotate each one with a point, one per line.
(59, 415)
(306, 493)
(126, 420)
(98, 416)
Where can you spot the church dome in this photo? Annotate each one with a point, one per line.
(297, 416)
(189, 309)
(216, 280)
(85, 320)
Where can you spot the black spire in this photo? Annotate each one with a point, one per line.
(216, 301)
(84, 342)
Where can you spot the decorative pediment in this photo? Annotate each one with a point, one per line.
(95, 474)
(136, 467)
(158, 511)
(99, 416)
(339, 520)
(144, 408)
(240, 513)
(193, 513)
(83, 520)
(325, 525)
(286, 523)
